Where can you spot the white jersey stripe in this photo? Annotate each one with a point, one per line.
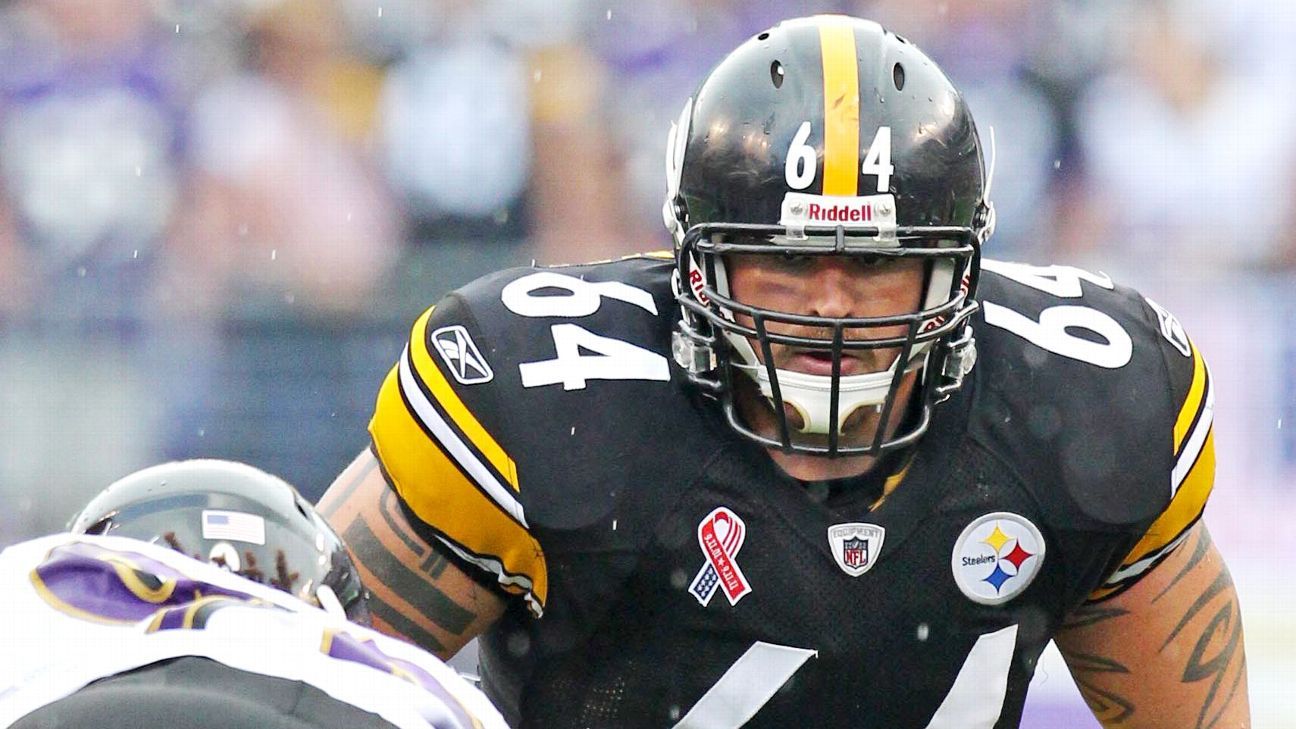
(1197, 439)
(1143, 565)
(431, 419)
(496, 567)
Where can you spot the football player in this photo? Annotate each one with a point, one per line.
(188, 595)
(824, 466)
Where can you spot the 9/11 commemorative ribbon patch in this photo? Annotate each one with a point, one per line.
(720, 535)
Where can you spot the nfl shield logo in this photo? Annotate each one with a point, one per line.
(855, 552)
(855, 546)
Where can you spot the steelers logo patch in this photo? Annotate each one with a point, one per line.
(996, 557)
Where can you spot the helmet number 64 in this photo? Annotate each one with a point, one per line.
(802, 162)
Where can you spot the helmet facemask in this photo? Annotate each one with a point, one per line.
(812, 413)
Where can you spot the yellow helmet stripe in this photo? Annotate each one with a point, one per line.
(841, 107)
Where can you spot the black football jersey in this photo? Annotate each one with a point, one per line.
(668, 574)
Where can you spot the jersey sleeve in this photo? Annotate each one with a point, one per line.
(1192, 475)
(448, 468)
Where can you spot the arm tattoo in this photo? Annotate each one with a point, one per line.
(401, 570)
(1107, 706)
(328, 506)
(403, 583)
(1203, 545)
(1087, 615)
(1217, 654)
(1207, 640)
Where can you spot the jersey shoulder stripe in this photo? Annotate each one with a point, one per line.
(439, 389)
(441, 461)
(440, 420)
(1191, 482)
(1197, 417)
(1193, 403)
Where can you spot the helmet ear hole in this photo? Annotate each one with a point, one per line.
(776, 74)
(898, 76)
(100, 527)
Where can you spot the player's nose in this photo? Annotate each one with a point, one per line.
(830, 289)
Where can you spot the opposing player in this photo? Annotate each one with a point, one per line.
(824, 466)
(207, 594)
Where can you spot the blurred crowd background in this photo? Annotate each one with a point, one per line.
(219, 217)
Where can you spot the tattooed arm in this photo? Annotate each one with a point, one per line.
(415, 593)
(1167, 653)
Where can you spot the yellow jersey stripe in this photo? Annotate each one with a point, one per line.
(433, 422)
(1192, 403)
(1170, 529)
(841, 107)
(658, 255)
(1128, 574)
(1189, 452)
(430, 375)
(435, 486)
(1188, 503)
(1191, 480)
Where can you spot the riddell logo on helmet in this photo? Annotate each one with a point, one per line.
(869, 211)
(698, 286)
(860, 213)
(965, 286)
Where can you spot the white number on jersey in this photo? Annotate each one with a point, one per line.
(1053, 330)
(582, 298)
(975, 701)
(612, 359)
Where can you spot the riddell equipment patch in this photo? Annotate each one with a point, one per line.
(996, 557)
(720, 535)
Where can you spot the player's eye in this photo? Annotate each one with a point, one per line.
(874, 262)
(793, 261)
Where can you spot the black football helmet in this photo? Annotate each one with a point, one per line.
(827, 136)
(239, 517)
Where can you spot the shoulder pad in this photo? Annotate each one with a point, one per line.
(1099, 399)
(476, 425)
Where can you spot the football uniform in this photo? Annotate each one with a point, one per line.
(107, 606)
(667, 574)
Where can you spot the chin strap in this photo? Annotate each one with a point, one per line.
(811, 395)
(960, 358)
(329, 602)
